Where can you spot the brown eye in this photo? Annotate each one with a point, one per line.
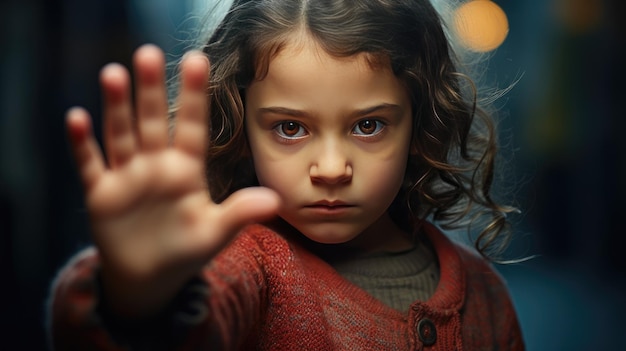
(368, 127)
(290, 130)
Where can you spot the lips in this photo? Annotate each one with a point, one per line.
(329, 209)
(330, 204)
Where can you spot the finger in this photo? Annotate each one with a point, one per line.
(222, 222)
(249, 205)
(86, 151)
(119, 135)
(151, 95)
(191, 133)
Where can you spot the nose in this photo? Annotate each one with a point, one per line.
(331, 166)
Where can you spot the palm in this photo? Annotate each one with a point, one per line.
(153, 198)
(152, 218)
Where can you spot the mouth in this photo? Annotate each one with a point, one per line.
(334, 204)
(326, 208)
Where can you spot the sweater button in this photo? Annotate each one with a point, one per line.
(427, 332)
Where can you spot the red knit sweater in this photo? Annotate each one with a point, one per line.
(267, 293)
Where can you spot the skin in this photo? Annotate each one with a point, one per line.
(152, 219)
(151, 216)
(331, 136)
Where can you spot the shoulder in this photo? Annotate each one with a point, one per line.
(258, 241)
(261, 236)
(480, 290)
(256, 250)
(460, 258)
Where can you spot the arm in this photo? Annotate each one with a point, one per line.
(153, 222)
(213, 311)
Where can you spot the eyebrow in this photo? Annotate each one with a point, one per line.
(300, 113)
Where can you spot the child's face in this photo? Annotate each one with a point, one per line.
(331, 136)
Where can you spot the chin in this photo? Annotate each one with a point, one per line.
(329, 233)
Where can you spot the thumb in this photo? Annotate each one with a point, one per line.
(247, 206)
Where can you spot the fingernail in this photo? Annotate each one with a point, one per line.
(195, 54)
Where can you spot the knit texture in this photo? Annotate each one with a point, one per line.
(396, 279)
(267, 293)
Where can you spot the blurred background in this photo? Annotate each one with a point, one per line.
(563, 126)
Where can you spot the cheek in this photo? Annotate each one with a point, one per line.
(265, 173)
(384, 177)
(262, 167)
(275, 174)
(274, 168)
(385, 180)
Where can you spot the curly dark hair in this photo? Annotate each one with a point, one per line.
(451, 167)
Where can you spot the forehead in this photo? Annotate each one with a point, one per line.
(303, 73)
(301, 42)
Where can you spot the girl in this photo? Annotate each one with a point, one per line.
(335, 129)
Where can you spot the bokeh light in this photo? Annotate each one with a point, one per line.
(480, 25)
(580, 16)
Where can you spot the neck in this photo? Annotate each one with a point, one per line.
(383, 236)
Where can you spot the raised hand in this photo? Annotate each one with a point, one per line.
(153, 221)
